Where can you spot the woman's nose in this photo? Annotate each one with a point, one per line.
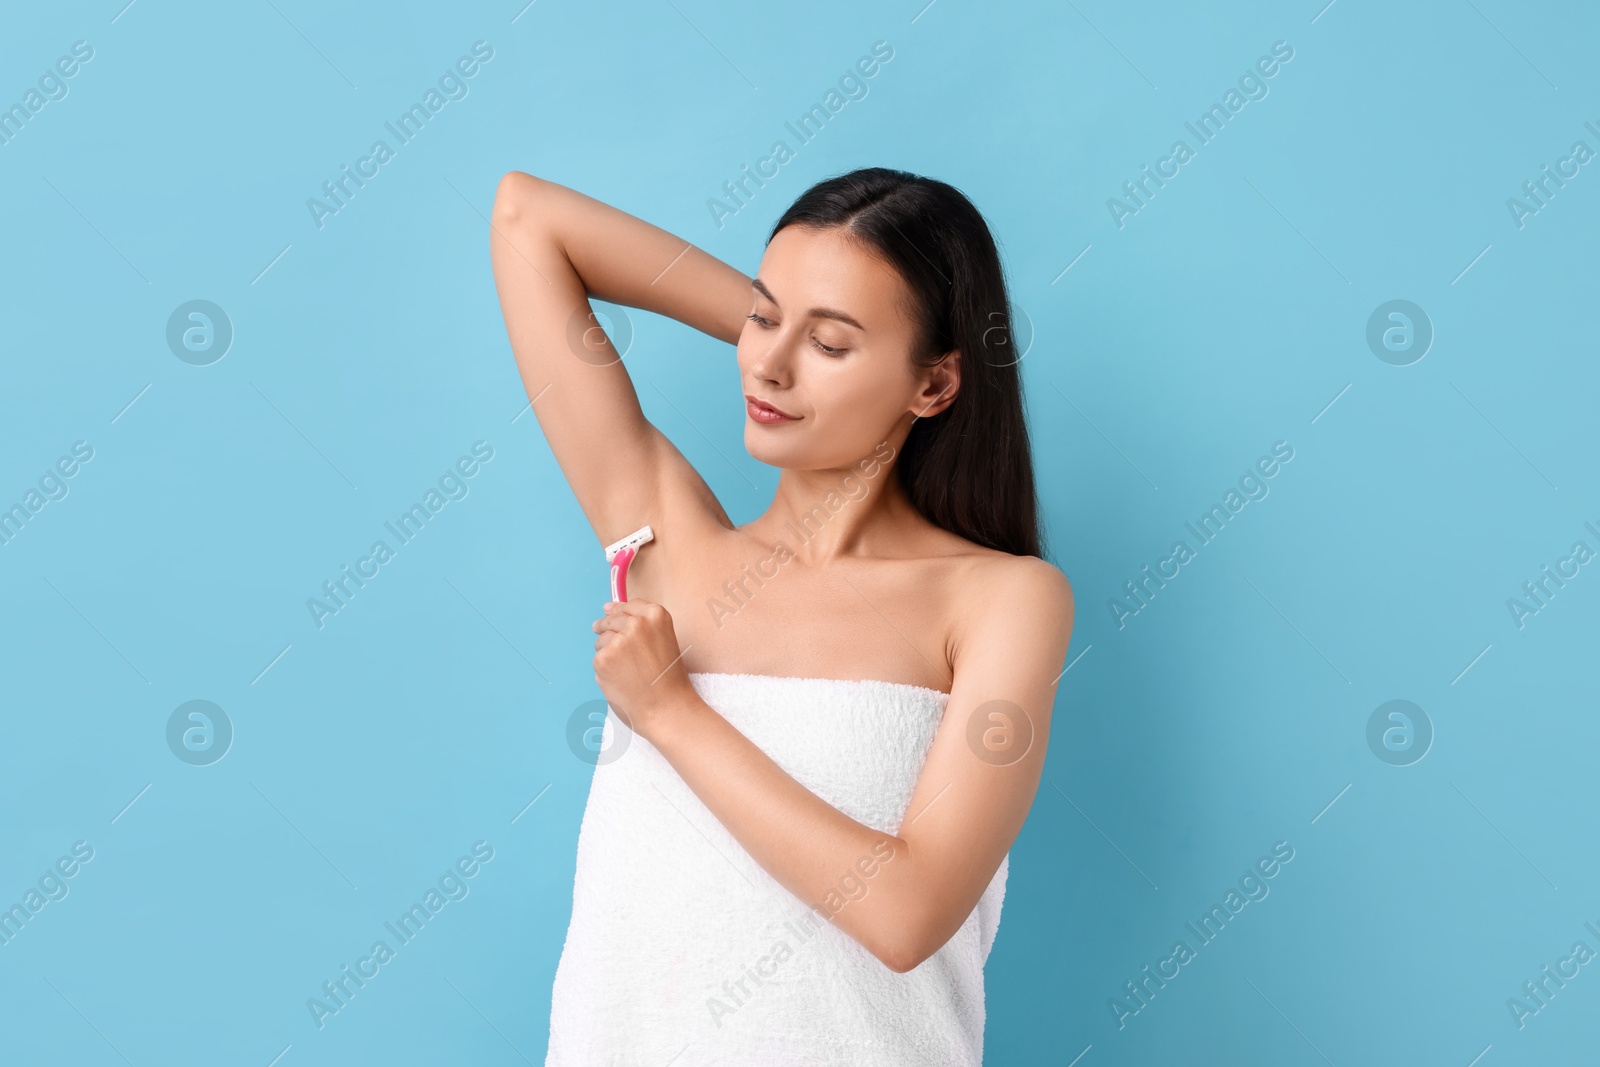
(772, 358)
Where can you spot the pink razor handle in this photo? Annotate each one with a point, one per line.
(621, 554)
(619, 573)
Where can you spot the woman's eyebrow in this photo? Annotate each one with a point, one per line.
(823, 313)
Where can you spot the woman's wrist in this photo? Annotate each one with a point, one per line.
(670, 720)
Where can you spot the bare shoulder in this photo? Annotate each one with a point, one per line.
(1040, 581)
(1002, 601)
(990, 576)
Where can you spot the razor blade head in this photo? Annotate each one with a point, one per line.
(643, 535)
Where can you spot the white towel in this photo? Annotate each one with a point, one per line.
(670, 913)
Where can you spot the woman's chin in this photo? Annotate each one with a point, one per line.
(758, 442)
(760, 450)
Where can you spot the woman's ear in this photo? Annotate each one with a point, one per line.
(940, 386)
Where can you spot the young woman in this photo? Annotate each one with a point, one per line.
(833, 719)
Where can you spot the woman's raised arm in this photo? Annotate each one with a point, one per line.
(553, 247)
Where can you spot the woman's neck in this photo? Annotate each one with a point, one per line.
(822, 515)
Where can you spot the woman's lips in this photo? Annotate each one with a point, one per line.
(765, 413)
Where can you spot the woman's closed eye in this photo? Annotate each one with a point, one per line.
(827, 350)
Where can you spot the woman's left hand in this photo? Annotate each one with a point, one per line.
(638, 664)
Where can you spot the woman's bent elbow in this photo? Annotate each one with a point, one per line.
(903, 960)
(900, 950)
(515, 195)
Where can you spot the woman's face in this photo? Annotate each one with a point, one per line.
(830, 344)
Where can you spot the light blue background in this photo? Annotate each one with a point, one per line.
(1228, 314)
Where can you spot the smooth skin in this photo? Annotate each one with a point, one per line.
(874, 592)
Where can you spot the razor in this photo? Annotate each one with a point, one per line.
(620, 555)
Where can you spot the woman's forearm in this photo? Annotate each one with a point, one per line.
(863, 880)
(625, 260)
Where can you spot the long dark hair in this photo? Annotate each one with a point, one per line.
(968, 469)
